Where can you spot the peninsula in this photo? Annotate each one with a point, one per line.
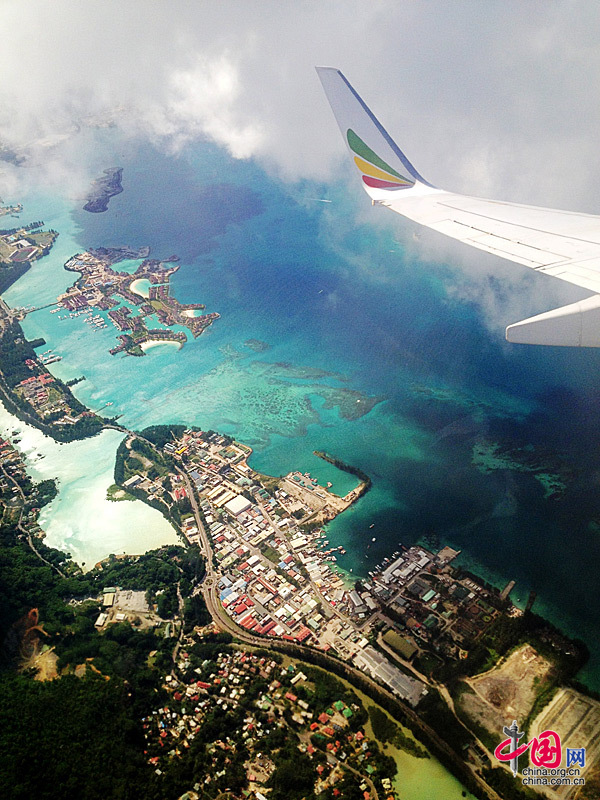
(103, 189)
(20, 246)
(122, 294)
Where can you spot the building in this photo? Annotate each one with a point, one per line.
(238, 505)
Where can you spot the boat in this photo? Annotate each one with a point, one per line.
(374, 539)
(372, 525)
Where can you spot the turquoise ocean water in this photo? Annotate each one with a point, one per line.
(363, 354)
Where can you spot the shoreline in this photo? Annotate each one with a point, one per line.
(149, 345)
(137, 289)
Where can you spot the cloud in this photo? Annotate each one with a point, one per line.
(491, 99)
(484, 97)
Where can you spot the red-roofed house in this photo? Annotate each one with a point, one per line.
(302, 634)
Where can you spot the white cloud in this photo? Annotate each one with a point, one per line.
(496, 99)
(484, 97)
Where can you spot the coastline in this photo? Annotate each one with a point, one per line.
(81, 520)
(145, 346)
(137, 288)
(333, 450)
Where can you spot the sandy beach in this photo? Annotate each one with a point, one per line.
(158, 342)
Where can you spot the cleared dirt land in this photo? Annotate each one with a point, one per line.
(576, 718)
(505, 692)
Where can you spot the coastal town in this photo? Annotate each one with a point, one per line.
(277, 574)
(291, 714)
(273, 575)
(131, 302)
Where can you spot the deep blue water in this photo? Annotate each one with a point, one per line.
(328, 293)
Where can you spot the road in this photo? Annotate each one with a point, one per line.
(23, 530)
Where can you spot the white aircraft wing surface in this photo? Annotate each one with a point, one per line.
(560, 243)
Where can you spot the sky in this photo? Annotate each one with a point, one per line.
(495, 99)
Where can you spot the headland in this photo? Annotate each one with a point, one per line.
(20, 246)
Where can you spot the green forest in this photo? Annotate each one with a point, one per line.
(82, 736)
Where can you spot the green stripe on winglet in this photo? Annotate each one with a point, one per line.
(364, 151)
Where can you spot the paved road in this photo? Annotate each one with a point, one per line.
(24, 530)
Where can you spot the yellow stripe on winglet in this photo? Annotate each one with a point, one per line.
(375, 172)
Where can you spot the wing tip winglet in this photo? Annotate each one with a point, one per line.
(372, 143)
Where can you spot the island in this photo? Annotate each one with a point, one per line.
(121, 294)
(103, 189)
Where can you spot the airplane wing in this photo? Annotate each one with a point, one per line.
(559, 243)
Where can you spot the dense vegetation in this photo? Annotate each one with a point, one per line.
(11, 272)
(14, 350)
(70, 738)
(82, 736)
(385, 730)
(159, 435)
